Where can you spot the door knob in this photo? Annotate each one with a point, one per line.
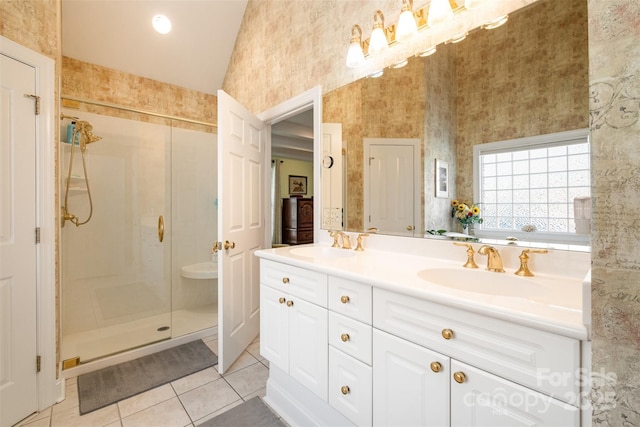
(229, 245)
(409, 227)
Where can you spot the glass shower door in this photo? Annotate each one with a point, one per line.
(116, 283)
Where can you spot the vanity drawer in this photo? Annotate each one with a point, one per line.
(350, 336)
(308, 285)
(350, 298)
(541, 360)
(350, 387)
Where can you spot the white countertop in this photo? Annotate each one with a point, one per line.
(559, 310)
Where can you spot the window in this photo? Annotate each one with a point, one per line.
(531, 183)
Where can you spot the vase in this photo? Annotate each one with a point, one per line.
(465, 230)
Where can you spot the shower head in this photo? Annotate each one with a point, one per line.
(86, 130)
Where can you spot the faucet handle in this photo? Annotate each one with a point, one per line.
(471, 263)
(359, 246)
(336, 236)
(524, 261)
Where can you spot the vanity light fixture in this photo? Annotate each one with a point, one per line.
(439, 11)
(427, 52)
(457, 38)
(407, 27)
(355, 55)
(495, 23)
(378, 42)
(161, 24)
(400, 64)
(376, 74)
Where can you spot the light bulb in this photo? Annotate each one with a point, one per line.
(378, 40)
(439, 12)
(161, 24)
(355, 55)
(407, 27)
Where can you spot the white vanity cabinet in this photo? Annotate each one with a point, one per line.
(293, 330)
(350, 335)
(509, 378)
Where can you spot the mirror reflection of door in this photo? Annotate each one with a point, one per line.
(391, 185)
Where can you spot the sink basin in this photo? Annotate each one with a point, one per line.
(485, 282)
(321, 252)
(203, 270)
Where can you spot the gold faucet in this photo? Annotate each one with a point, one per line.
(494, 262)
(359, 246)
(524, 261)
(346, 240)
(471, 263)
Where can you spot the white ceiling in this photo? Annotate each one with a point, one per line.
(195, 54)
(118, 34)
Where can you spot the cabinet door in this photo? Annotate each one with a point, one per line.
(274, 327)
(308, 345)
(484, 399)
(406, 391)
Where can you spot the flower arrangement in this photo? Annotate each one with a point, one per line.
(465, 213)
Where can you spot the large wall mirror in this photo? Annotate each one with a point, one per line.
(526, 78)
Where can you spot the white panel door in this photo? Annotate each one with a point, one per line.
(241, 226)
(392, 192)
(484, 399)
(274, 327)
(406, 391)
(18, 389)
(308, 346)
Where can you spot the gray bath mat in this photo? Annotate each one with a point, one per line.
(109, 385)
(252, 413)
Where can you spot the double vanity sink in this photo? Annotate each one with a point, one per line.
(388, 337)
(552, 301)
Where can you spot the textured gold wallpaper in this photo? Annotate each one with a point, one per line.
(94, 82)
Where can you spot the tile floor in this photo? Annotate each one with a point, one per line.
(188, 401)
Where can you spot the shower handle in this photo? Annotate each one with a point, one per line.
(161, 228)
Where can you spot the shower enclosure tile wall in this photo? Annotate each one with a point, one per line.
(120, 289)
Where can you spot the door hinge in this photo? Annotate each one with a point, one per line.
(37, 99)
(38, 363)
(37, 234)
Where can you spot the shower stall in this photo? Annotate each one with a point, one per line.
(139, 217)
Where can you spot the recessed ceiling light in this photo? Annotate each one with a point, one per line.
(161, 24)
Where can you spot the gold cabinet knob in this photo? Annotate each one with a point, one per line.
(289, 303)
(345, 337)
(229, 245)
(436, 366)
(345, 389)
(344, 299)
(447, 334)
(282, 300)
(285, 280)
(460, 377)
(409, 227)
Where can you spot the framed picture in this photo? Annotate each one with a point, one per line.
(442, 178)
(297, 184)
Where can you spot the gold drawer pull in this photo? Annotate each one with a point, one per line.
(447, 334)
(344, 299)
(282, 300)
(345, 389)
(289, 303)
(345, 337)
(436, 366)
(460, 377)
(285, 280)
